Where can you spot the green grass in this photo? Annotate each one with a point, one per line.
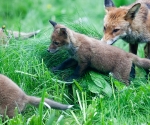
(28, 63)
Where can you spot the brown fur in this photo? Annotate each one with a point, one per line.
(6, 35)
(12, 96)
(130, 23)
(90, 52)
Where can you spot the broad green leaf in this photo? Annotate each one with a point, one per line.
(101, 83)
(94, 88)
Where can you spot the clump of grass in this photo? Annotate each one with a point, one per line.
(85, 28)
(125, 107)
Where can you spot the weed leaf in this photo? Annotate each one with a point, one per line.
(100, 84)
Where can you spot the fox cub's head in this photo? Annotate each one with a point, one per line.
(59, 37)
(117, 21)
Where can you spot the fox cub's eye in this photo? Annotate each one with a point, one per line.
(56, 43)
(115, 30)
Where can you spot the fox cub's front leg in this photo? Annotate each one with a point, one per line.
(79, 71)
(66, 64)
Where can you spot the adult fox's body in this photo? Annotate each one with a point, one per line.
(89, 52)
(130, 23)
(6, 35)
(12, 96)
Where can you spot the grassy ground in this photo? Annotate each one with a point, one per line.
(28, 63)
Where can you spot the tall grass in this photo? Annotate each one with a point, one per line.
(28, 63)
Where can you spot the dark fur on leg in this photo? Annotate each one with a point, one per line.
(133, 49)
(132, 73)
(66, 64)
(80, 69)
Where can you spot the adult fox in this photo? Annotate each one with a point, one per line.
(130, 23)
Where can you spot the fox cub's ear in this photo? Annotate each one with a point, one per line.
(63, 32)
(53, 23)
(109, 3)
(132, 12)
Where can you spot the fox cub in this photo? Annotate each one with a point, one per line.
(89, 52)
(12, 96)
(6, 35)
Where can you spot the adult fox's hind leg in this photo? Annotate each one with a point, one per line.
(133, 49)
(147, 55)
